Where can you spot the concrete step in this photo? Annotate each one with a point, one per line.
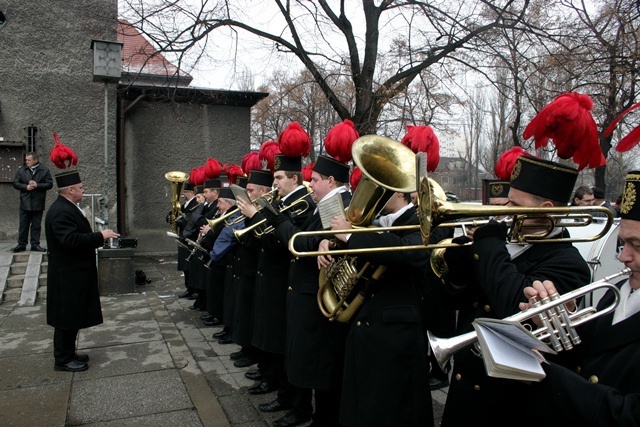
(15, 281)
(21, 268)
(21, 257)
(12, 295)
(42, 293)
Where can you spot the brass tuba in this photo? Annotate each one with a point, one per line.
(177, 179)
(387, 167)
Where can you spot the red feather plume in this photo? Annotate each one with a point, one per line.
(268, 151)
(306, 172)
(354, 179)
(632, 138)
(506, 162)
(61, 155)
(339, 140)
(233, 172)
(294, 141)
(250, 162)
(567, 120)
(197, 175)
(423, 139)
(212, 168)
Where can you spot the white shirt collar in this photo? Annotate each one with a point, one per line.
(388, 220)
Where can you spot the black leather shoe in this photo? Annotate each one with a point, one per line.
(274, 406)
(19, 249)
(193, 296)
(73, 366)
(237, 355)
(253, 375)
(185, 294)
(436, 384)
(225, 340)
(193, 307)
(262, 388)
(290, 419)
(213, 322)
(81, 357)
(220, 334)
(244, 362)
(206, 317)
(38, 248)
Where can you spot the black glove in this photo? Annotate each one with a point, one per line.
(275, 218)
(492, 229)
(461, 265)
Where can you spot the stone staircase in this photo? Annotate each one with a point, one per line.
(23, 277)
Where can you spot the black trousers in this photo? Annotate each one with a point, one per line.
(64, 345)
(29, 220)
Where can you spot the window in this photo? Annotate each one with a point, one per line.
(32, 139)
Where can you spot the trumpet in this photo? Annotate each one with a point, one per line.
(302, 209)
(558, 324)
(224, 218)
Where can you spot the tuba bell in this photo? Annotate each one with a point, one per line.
(387, 167)
(177, 179)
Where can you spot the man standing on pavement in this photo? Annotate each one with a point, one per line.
(73, 300)
(33, 180)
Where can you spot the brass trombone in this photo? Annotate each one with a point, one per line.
(434, 211)
(254, 227)
(558, 325)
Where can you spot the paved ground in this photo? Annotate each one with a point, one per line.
(153, 362)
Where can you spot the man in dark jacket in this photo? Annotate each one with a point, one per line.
(599, 384)
(487, 280)
(33, 180)
(73, 301)
(386, 367)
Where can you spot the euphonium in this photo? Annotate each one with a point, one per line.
(387, 167)
(177, 179)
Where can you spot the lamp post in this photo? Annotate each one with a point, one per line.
(107, 68)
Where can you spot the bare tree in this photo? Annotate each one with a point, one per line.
(324, 38)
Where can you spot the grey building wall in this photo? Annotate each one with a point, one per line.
(46, 68)
(163, 136)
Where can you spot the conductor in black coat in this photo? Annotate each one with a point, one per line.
(386, 367)
(598, 382)
(315, 347)
(487, 280)
(33, 180)
(73, 301)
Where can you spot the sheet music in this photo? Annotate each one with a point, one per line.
(329, 208)
(239, 192)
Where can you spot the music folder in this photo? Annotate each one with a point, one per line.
(509, 350)
(240, 193)
(329, 208)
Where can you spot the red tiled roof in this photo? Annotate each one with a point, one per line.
(140, 57)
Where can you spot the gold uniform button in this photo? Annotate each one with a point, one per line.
(593, 379)
(359, 323)
(458, 377)
(578, 369)
(476, 387)
(367, 323)
(487, 308)
(290, 288)
(261, 250)
(476, 304)
(476, 257)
